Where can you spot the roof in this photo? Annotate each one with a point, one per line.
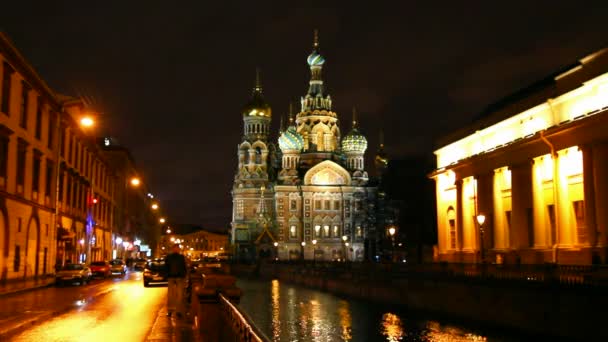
(557, 83)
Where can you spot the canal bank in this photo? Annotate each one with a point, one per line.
(535, 308)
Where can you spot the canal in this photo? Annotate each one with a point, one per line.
(286, 312)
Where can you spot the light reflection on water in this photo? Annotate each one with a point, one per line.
(287, 312)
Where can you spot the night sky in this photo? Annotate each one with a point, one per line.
(171, 79)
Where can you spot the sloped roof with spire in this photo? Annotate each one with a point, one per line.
(257, 106)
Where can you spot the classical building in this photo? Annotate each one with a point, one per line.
(54, 183)
(134, 218)
(310, 198)
(197, 243)
(528, 181)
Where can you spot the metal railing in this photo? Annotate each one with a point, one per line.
(237, 325)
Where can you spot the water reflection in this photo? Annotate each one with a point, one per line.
(286, 312)
(346, 320)
(392, 327)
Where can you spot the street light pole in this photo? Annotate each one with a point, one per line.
(314, 251)
(392, 232)
(344, 238)
(481, 218)
(303, 245)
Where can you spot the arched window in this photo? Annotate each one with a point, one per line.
(451, 216)
(258, 155)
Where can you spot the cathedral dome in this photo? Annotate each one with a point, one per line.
(315, 59)
(354, 141)
(257, 106)
(290, 140)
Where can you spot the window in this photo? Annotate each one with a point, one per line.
(326, 231)
(4, 140)
(359, 232)
(358, 205)
(25, 91)
(7, 72)
(336, 232)
(68, 200)
(38, 123)
(17, 259)
(21, 155)
(327, 205)
(336, 205)
(293, 232)
(452, 224)
(61, 181)
(293, 205)
(347, 205)
(19, 225)
(317, 204)
(239, 209)
(579, 214)
(36, 171)
(317, 231)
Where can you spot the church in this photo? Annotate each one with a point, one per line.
(307, 195)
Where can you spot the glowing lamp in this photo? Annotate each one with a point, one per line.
(481, 218)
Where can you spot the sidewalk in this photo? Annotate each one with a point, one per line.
(171, 329)
(14, 286)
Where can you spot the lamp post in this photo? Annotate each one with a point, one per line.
(391, 232)
(303, 245)
(481, 218)
(276, 250)
(344, 238)
(314, 251)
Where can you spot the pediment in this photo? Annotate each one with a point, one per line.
(327, 173)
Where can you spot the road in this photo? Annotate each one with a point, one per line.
(117, 309)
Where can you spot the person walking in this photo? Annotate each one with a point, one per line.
(175, 263)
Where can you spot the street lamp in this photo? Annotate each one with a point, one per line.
(168, 230)
(154, 206)
(162, 220)
(303, 244)
(314, 251)
(481, 218)
(344, 238)
(391, 232)
(276, 250)
(87, 121)
(135, 181)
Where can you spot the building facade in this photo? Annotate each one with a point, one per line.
(197, 244)
(527, 183)
(309, 198)
(50, 172)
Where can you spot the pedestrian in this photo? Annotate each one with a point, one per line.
(175, 264)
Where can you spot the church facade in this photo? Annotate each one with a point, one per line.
(307, 196)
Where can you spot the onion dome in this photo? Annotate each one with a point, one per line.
(291, 140)
(315, 59)
(257, 106)
(354, 141)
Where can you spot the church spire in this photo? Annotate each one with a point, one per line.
(315, 98)
(290, 113)
(258, 85)
(354, 117)
(315, 44)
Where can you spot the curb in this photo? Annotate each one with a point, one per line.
(25, 289)
(6, 334)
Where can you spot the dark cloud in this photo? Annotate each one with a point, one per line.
(171, 78)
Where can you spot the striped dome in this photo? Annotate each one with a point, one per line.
(354, 141)
(291, 140)
(315, 59)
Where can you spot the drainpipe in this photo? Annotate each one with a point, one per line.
(555, 193)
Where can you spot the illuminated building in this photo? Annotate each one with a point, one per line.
(313, 187)
(536, 167)
(54, 183)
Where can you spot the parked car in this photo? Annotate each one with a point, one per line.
(139, 264)
(118, 266)
(73, 273)
(100, 269)
(155, 272)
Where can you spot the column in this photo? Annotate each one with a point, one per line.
(589, 193)
(600, 182)
(521, 201)
(566, 232)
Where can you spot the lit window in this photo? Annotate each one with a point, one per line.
(292, 232)
(336, 232)
(317, 231)
(326, 231)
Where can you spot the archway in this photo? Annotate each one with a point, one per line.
(32, 247)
